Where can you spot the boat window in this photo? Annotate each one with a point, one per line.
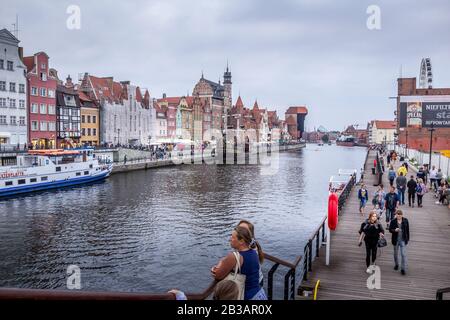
(86, 173)
(44, 178)
(8, 183)
(90, 166)
(58, 169)
(78, 174)
(21, 181)
(33, 180)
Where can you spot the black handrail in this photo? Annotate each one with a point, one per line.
(440, 293)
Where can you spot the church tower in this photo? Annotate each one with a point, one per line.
(227, 92)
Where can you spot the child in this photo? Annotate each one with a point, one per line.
(379, 211)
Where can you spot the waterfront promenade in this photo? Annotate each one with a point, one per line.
(428, 252)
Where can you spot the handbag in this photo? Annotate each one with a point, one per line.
(237, 277)
(382, 243)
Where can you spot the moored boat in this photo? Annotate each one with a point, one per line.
(48, 169)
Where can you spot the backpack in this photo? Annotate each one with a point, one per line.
(419, 189)
(391, 175)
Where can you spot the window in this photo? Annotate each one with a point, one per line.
(34, 126)
(34, 108)
(43, 125)
(43, 92)
(86, 173)
(2, 119)
(2, 85)
(43, 66)
(83, 131)
(94, 132)
(51, 126)
(43, 109)
(88, 119)
(83, 119)
(89, 131)
(22, 181)
(2, 102)
(2, 64)
(51, 109)
(51, 93)
(12, 103)
(94, 119)
(22, 121)
(43, 76)
(21, 88)
(12, 86)
(34, 91)
(10, 65)
(22, 104)
(58, 169)
(44, 178)
(33, 180)
(8, 183)
(12, 120)
(79, 174)
(69, 100)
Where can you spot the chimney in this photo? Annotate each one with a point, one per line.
(21, 53)
(69, 83)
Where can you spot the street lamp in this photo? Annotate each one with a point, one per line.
(431, 143)
(118, 136)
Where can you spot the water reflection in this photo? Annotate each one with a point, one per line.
(157, 229)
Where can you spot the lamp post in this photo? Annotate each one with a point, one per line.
(118, 136)
(406, 146)
(431, 143)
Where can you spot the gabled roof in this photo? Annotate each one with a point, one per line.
(8, 37)
(29, 63)
(297, 110)
(385, 124)
(239, 103)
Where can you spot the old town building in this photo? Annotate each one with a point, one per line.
(42, 82)
(13, 93)
(68, 117)
(417, 109)
(126, 114)
(295, 119)
(382, 132)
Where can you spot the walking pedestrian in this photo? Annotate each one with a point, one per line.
(391, 175)
(371, 230)
(401, 187)
(439, 177)
(391, 203)
(403, 170)
(421, 174)
(363, 197)
(378, 198)
(420, 190)
(433, 184)
(125, 159)
(399, 227)
(412, 186)
(388, 158)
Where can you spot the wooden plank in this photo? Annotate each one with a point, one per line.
(428, 252)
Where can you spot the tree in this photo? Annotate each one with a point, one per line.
(325, 138)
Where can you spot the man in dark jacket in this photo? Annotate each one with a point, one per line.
(399, 228)
(401, 187)
(391, 204)
(412, 185)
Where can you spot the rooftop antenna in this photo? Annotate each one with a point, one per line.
(15, 30)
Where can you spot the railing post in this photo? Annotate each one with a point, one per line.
(317, 243)
(323, 232)
(270, 281)
(286, 284)
(293, 284)
(305, 266)
(310, 255)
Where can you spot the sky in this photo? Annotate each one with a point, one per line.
(318, 53)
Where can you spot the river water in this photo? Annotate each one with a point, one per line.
(165, 228)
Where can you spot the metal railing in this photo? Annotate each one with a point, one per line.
(440, 293)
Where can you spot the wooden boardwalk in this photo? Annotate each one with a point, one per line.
(428, 253)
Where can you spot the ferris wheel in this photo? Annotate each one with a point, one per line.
(426, 74)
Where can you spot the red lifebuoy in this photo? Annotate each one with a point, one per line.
(332, 211)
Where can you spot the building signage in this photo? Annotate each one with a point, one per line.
(425, 111)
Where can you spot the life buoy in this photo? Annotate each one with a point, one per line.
(332, 211)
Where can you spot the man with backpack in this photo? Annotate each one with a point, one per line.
(401, 187)
(391, 204)
(391, 175)
(412, 186)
